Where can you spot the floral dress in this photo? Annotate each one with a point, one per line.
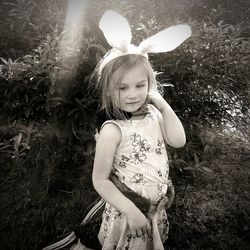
(141, 163)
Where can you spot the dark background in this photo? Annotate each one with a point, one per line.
(47, 118)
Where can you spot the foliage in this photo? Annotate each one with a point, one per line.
(47, 124)
(27, 23)
(215, 200)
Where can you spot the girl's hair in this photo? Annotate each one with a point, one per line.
(111, 76)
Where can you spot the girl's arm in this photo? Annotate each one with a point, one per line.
(171, 126)
(107, 143)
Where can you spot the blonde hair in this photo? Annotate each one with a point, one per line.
(111, 76)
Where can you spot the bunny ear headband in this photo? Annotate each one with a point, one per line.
(117, 32)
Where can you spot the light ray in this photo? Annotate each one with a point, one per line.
(73, 30)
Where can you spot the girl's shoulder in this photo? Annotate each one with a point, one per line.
(102, 118)
(110, 131)
(111, 123)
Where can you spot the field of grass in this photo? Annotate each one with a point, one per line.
(211, 211)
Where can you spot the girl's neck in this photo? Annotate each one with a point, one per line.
(140, 113)
(137, 115)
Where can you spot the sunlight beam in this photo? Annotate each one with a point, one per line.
(74, 24)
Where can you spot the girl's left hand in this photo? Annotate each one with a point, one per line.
(157, 100)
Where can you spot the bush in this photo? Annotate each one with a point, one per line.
(215, 200)
(48, 119)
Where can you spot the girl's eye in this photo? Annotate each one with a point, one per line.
(140, 86)
(123, 88)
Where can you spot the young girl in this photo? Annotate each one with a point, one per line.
(131, 143)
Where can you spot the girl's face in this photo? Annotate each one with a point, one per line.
(131, 92)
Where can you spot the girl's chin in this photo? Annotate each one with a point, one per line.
(132, 108)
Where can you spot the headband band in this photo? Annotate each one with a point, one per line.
(117, 32)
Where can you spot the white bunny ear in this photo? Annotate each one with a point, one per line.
(116, 30)
(166, 40)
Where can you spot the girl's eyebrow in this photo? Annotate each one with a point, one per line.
(141, 81)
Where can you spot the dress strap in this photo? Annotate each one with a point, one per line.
(114, 122)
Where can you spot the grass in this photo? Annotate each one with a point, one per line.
(211, 211)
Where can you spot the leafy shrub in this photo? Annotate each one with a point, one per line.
(48, 118)
(27, 23)
(215, 200)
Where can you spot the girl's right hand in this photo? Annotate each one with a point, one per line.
(157, 100)
(138, 223)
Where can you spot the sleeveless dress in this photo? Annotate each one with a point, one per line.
(141, 163)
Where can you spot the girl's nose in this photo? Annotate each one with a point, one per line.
(132, 94)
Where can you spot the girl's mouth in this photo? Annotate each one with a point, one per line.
(131, 103)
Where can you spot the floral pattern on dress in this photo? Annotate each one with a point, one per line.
(163, 223)
(160, 147)
(140, 147)
(138, 178)
(160, 193)
(137, 157)
(139, 144)
(125, 158)
(159, 173)
(111, 213)
(122, 164)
